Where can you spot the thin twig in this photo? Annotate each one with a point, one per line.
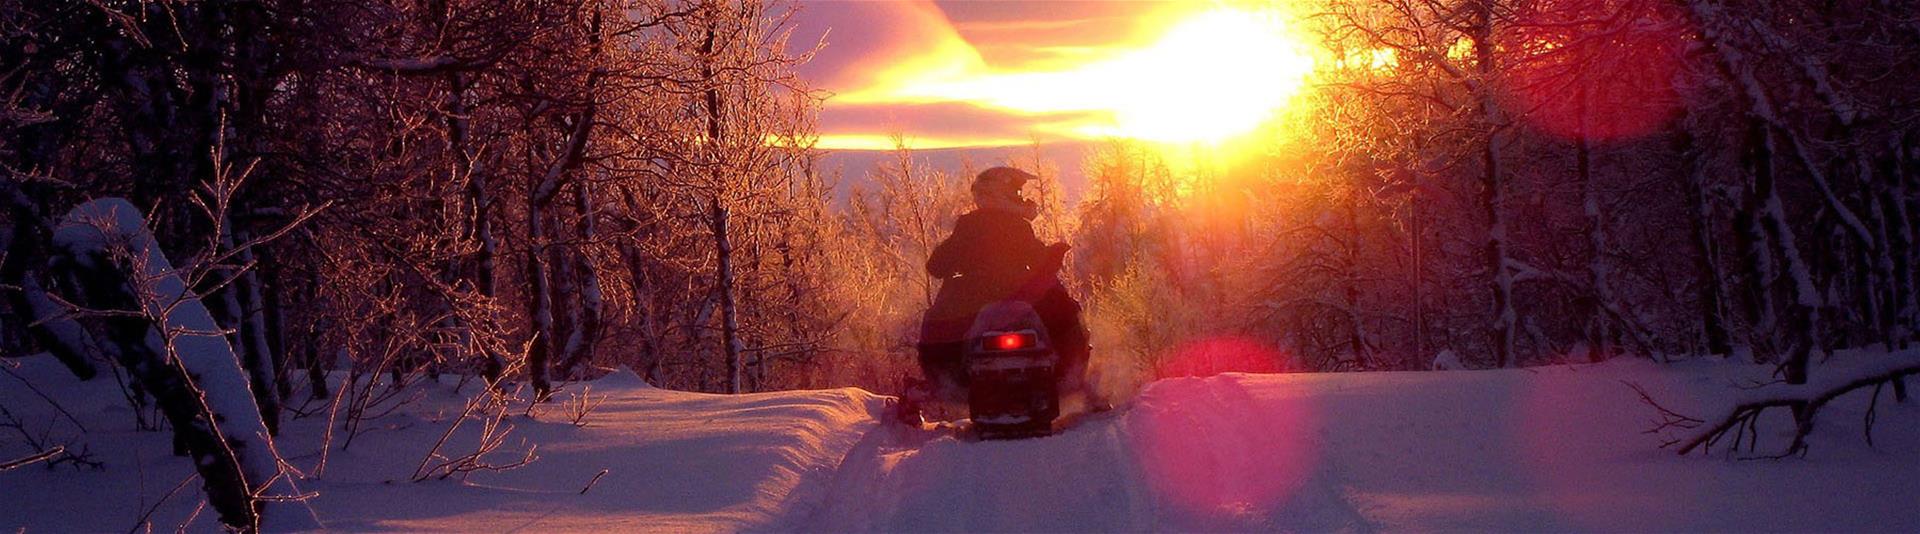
(43, 396)
(10, 465)
(144, 518)
(590, 483)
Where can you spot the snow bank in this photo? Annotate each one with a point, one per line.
(622, 377)
(674, 461)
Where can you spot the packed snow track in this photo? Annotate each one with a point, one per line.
(1189, 454)
(1544, 449)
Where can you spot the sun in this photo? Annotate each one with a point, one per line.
(1214, 76)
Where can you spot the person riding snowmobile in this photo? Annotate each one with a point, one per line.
(993, 256)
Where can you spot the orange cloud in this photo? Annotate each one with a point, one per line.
(868, 42)
(945, 124)
(1009, 72)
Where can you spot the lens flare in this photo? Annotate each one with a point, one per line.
(1581, 479)
(1616, 86)
(1220, 451)
(1212, 356)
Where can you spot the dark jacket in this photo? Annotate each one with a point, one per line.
(991, 256)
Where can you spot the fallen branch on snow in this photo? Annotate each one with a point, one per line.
(1804, 400)
(9, 465)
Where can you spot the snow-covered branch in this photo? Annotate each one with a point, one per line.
(1805, 400)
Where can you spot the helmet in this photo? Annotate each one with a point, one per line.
(1002, 182)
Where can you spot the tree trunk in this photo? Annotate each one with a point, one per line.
(642, 290)
(225, 302)
(1357, 328)
(1803, 312)
(722, 245)
(539, 300)
(218, 460)
(1755, 249)
(1599, 334)
(1756, 261)
(259, 356)
(190, 370)
(1416, 226)
(479, 200)
(1890, 226)
(1904, 239)
(25, 235)
(310, 348)
(1898, 226)
(59, 335)
(587, 323)
(540, 195)
(562, 288)
(1713, 323)
(274, 308)
(729, 324)
(1491, 198)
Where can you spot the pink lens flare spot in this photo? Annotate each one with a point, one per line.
(1212, 356)
(1219, 453)
(1603, 82)
(1597, 483)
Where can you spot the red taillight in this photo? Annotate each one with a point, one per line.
(1014, 341)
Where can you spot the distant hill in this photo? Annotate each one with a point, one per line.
(856, 166)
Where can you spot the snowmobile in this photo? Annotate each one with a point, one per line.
(1009, 380)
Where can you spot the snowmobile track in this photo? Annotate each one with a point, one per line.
(1104, 472)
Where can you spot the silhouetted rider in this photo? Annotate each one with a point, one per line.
(994, 256)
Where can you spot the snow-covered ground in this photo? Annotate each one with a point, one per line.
(1542, 449)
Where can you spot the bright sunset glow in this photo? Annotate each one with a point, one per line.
(1217, 75)
(1209, 76)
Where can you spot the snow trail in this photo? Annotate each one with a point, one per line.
(1541, 449)
(904, 480)
(1190, 454)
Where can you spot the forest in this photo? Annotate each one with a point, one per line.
(251, 211)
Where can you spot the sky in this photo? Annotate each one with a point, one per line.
(947, 73)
